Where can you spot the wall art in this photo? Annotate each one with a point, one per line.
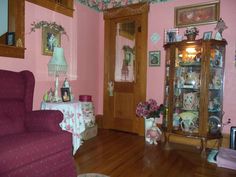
(197, 14)
(155, 58)
(50, 39)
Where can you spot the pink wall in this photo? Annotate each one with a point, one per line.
(88, 52)
(161, 16)
(81, 51)
(84, 51)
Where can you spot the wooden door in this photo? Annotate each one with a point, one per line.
(125, 67)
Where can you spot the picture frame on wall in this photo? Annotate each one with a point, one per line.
(207, 35)
(65, 94)
(50, 39)
(10, 38)
(197, 14)
(155, 58)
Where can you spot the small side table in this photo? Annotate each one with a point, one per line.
(73, 121)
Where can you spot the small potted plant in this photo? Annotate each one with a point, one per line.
(191, 33)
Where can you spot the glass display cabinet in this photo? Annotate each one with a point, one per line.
(194, 90)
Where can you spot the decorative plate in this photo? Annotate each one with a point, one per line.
(214, 124)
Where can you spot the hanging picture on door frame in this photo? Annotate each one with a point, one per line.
(155, 58)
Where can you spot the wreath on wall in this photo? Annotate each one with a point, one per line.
(51, 25)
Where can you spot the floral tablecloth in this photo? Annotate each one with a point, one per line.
(73, 121)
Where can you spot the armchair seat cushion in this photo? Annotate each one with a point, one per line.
(18, 150)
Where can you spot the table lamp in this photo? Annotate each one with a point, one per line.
(57, 66)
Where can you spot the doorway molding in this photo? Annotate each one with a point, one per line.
(141, 73)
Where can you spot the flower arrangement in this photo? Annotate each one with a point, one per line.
(191, 31)
(149, 109)
(51, 25)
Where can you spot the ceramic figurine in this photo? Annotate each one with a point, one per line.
(217, 58)
(176, 121)
(110, 88)
(45, 97)
(190, 101)
(66, 83)
(218, 36)
(72, 97)
(210, 105)
(188, 122)
(50, 95)
(19, 43)
(187, 125)
(178, 37)
(216, 103)
(220, 26)
(216, 81)
(192, 78)
(180, 82)
(198, 56)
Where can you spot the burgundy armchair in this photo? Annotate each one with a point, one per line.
(32, 143)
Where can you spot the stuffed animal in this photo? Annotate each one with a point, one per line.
(153, 135)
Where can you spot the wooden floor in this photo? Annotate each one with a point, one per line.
(126, 155)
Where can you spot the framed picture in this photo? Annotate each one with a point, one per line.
(207, 35)
(155, 58)
(233, 138)
(50, 39)
(65, 94)
(170, 35)
(10, 39)
(197, 14)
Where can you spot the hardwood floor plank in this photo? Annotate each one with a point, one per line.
(119, 154)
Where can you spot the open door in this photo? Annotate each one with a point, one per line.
(125, 67)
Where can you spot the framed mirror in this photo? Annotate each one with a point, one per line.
(12, 28)
(125, 52)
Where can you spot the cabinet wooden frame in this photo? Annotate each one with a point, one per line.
(202, 134)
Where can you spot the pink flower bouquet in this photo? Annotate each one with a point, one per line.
(149, 109)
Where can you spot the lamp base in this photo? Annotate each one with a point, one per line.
(56, 99)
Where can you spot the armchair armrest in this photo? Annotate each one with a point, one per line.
(43, 120)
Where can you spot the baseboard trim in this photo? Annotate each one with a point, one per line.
(99, 120)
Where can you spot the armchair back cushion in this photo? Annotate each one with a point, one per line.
(12, 113)
(16, 96)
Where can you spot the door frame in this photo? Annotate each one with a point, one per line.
(141, 73)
